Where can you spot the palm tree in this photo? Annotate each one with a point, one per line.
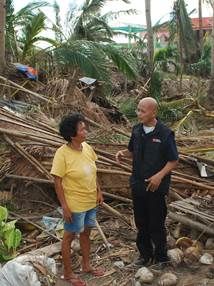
(16, 22)
(200, 23)
(150, 45)
(95, 59)
(210, 97)
(57, 27)
(2, 35)
(212, 51)
(85, 46)
(30, 35)
(86, 21)
(186, 39)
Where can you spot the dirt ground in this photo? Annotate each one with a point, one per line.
(120, 236)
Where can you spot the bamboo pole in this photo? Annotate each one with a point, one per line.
(192, 211)
(36, 225)
(28, 157)
(195, 150)
(17, 90)
(35, 94)
(37, 180)
(108, 245)
(187, 176)
(117, 197)
(113, 172)
(30, 127)
(99, 151)
(33, 122)
(129, 169)
(29, 136)
(116, 213)
(191, 157)
(183, 180)
(102, 127)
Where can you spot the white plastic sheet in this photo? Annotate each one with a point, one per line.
(20, 271)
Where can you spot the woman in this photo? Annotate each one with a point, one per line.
(75, 177)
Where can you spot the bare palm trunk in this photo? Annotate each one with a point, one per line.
(150, 44)
(200, 23)
(180, 48)
(210, 96)
(212, 41)
(2, 35)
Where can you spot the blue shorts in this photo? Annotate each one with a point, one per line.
(81, 221)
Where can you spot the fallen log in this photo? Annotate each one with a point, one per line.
(193, 224)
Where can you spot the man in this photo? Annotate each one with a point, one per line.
(154, 155)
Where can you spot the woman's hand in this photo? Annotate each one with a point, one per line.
(99, 198)
(67, 214)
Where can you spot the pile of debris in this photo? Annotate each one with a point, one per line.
(29, 139)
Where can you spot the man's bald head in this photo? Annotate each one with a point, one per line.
(150, 103)
(147, 110)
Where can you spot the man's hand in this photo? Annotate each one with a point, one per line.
(119, 155)
(100, 198)
(154, 182)
(67, 215)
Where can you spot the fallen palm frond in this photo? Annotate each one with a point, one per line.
(181, 122)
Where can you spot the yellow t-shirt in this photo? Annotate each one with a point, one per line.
(79, 173)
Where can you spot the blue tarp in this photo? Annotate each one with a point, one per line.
(30, 72)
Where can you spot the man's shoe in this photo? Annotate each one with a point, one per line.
(141, 261)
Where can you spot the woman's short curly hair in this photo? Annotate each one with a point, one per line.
(68, 125)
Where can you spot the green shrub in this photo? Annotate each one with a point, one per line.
(10, 236)
(128, 107)
(203, 66)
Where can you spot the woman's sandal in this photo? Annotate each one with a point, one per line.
(74, 281)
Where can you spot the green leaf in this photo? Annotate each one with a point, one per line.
(9, 225)
(3, 214)
(6, 257)
(17, 238)
(13, 238)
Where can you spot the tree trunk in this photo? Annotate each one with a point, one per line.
(212, 43)
(179, 43)
(150, 42)
(209, 104)
(2, 35)
(200, 23)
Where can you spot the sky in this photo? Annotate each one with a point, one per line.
(160, 9)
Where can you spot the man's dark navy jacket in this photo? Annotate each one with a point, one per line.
(151, 152)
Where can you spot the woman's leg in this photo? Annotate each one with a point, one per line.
(85, 247)
(66, 253)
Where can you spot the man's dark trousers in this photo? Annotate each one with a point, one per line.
(150, 213)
